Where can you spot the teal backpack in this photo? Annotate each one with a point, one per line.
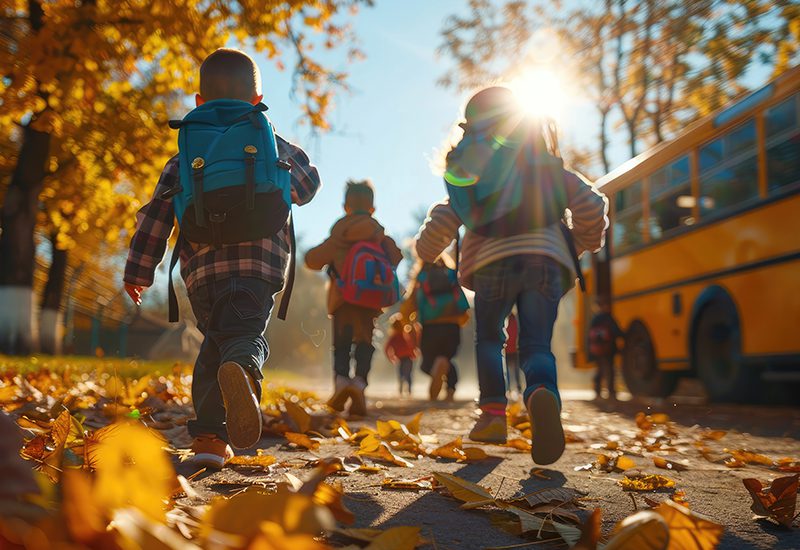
(439, 293)
(233, 186)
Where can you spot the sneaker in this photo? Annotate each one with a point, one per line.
(242, 410)
(210, 452)
(489, 428)
(358, 406)
(451, 393)
(438, 374)
(547, 443)
(341, 393)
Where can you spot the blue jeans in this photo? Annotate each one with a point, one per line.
(535, 284)
(232, 314)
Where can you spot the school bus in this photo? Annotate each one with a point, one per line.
(702, 263)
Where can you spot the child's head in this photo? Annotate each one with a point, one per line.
(491, 105)
(359, 197)
(229, 74)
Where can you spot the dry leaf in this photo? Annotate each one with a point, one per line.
(749, 457)
(553, 495)
(713, 435)
(456, 451)
(778, 501)
(331, 496)
(689, 530)
(519, 444)
(421, 484)
(644, 530)
(651, 482)
(299, 418)
(668, 464)
(471, 494)
(590, 532)
(396, 538)
(624, 463)
(261, 460)
(302, 440)
(271, 536)
(384, 453)
(788, 464)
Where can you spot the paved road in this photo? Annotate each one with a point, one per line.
(711, 489)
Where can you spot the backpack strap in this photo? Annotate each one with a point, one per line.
(172, 298)
(574, 253)
(458, 250)
(197, 191)
(250, 177)
(287, 289)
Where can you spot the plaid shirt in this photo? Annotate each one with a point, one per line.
(202, 263)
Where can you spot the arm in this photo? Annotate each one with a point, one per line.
(392, 250)
(589, 210)
(154, 223)
(438, 231)
(305, 177)
(320, 256)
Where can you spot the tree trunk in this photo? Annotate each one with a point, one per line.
(51, 325)
(604, 141)
(17, 249)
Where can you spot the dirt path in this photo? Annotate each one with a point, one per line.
(710, 488)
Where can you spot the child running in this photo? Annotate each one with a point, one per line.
(507, 185)
(437, 302)
(356, 247)
(401, 350)
(231, 197)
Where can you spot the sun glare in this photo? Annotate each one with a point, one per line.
(542, 92)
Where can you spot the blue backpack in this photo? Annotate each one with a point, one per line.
(439, 294)
(233, 186)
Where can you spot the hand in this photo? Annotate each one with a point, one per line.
(295, 197)
(135, 292)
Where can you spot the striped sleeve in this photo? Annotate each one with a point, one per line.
(438, 231)
(589, 214)
(305, 177)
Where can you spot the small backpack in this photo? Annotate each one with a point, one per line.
(439, 295)
(368, 279)
(504, 187)
(601, 340)
(233, 185)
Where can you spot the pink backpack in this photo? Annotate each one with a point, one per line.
(368, 278)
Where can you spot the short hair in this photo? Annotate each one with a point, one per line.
(359, 195)
(229, 74)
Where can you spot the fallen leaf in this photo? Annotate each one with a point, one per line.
(455, 451)
(624, 463)
(713, 435)
(413, 426)
(749, 457)
(396, 538)
(668, 464)
(471, 494)
(788, 464)
(590, 532)
(384, 453)
(330, 495)
(553, 495)
(650, 482)
(249, 460)
(519, 444)
(302, 440)
(689, 530)
(646, 530)
(421, 484)
(300, 419)
(777, 501)
(271, 536)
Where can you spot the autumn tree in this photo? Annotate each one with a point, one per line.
(84, 81)
(649, 66)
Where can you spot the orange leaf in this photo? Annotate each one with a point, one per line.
(669, 465)
(302, 440)
(777, 501)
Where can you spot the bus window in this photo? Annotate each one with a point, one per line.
(628, 223)
(669, 191)
(733, 177)
(783, 144)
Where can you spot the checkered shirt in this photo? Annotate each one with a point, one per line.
(202, 263)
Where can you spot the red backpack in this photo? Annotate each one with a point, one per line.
(368, 278)
(601, 340)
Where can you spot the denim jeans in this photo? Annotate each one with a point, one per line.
(535, 284)
(232, 314)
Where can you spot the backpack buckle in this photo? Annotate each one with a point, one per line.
(217, 217)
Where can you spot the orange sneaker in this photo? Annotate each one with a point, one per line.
(242, 410)
(210, 451)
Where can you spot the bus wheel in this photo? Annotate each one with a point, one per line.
(639, 367)
(717, 354)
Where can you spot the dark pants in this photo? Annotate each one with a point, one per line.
(352, 328)
(605, 369)
(535, 284)
(404, 372)
(513, 372)
(440, 340)
(232, 314)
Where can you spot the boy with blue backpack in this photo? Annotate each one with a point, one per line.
(361, 261)
(230, 187)
(508, 187)
(438, 304)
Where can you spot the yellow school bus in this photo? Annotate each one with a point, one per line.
(702, 264)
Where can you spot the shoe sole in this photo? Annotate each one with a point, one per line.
(242, 412)
(437, 380)
(547, 444)
(208, 460)
(499, 441)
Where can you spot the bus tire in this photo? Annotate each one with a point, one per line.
(717, 353)
(640, 368)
